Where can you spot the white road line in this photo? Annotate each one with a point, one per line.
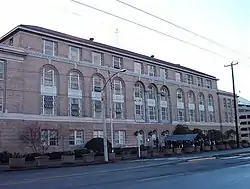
(244, 157)
(160, 177)
(232, 157)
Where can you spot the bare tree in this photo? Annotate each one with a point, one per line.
(37, 139)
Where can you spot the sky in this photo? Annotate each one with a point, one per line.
(224, 21)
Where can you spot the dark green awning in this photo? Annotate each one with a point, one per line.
(189, 137)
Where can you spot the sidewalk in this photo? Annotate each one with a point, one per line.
(170, 160)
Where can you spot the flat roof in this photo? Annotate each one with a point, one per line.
(67, 37)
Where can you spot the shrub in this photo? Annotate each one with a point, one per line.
(17, 155)
(68, 153)
(4, 157)
(31, 157)
(80, 152)
(245, 141)
(96, 144)
(54, 155)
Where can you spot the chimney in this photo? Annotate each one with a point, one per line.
(152, 56)
(91, 39)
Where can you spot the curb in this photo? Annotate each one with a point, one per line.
(53, 167)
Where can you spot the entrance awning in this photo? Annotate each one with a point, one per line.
(189, 137)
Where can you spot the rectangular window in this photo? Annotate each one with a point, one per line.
(151, 70)
(11, 41)
(49, 137)
(98, 134)
(200, 82)
(74, 81)
(48, 105)
(180, 114)
(97, 58)
(226, 117)
(1, 101)
(224, 103)
(118, 110)
(190, 79)
(229, 105)
(211, 116)
(97, 105)
(75, 137)
(202, 116)
(191, 115)
(74, 53)
(178, 76)
(1, 69)
(164, 113)
(138, 68)
(50, 48)
(75, 105)
(163, 73)
(117, 62)
(139, 112)
(209, 84)
(152, 113)
(119, 137)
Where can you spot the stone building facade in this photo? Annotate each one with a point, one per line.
(54, 81)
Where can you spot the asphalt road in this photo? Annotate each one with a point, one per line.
(230, 172)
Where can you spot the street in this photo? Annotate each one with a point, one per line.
(225, 172)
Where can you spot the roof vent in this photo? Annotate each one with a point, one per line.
(91, 39)
(152, 56)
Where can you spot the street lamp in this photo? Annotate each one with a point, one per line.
(105, 145)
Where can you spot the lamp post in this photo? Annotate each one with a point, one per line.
(105, 144)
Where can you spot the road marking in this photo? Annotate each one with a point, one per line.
(25, 181)
(232, 157)
(161, 177)
(202, 159)
(244, 158)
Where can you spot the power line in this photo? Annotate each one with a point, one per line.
(151, 29)
(182, 28)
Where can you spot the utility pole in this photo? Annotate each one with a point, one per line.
(235, 104)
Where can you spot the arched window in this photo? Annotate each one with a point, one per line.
(48, 90)
(118, 99)
(164, 100)
(74, 98)
(180, 105)
(152, 102)
(48, 77)
(191, 106)
(141, 135)
(139, 101)
(97, 85)
(201, 108)
(210, 108)
(118, 90)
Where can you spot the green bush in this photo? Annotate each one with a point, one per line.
(31, 157)
(80, 152)
(54, 155)
(4, 157)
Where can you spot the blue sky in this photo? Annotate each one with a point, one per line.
(225, 21)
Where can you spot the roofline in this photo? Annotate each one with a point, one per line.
(94, 44)
(10, 49)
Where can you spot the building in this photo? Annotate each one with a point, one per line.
(54, 80)
(244, 118)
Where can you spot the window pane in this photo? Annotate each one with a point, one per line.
(1, 69)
